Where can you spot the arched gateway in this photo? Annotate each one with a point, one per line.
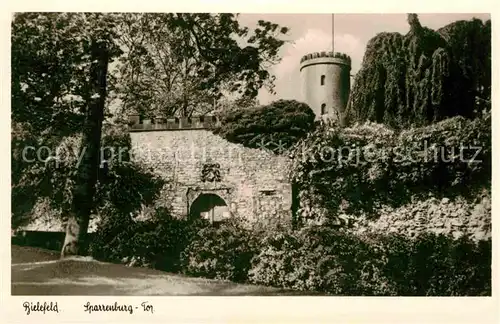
(209, 206)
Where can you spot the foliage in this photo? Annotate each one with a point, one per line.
(314, 258)
(51, 64)
(335, 262)
(363, 167)
(59, 92)
(50, 68)
(436, 265)
(44, 57)
(320, 259)
(424, 76)
(276, 126)
(227, 104)
(178, 64)
(222, 251)
(59, 87)
(123, 186)
(126, 186)
(157, 242)
(469, 44)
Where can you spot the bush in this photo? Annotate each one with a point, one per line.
(320, 259)
(437, 265)
(275, 126)
(222, 251)
(336, 262)
(156, 243)
(111, 240)
(275, 265)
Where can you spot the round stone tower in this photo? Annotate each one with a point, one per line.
(325, 78)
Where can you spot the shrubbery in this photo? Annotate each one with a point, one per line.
(156, 243)
(366, 166)
(437, 265)
(223, 251)
(319, 259)
(334, 262)
(314, 258)
(277, 125)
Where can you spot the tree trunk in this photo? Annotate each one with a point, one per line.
(87, 170)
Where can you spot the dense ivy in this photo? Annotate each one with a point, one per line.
(424, 76)
(361, 168)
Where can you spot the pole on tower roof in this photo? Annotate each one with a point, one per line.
(333, 33)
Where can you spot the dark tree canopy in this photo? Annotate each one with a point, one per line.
(59, 98)
(179, 64)
(276, 126)
(424, 76)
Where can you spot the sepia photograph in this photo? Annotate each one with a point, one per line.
(250, 154)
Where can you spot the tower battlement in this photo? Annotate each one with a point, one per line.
(341, 58)
(179, 123)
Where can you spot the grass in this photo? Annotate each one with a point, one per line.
(37, 271)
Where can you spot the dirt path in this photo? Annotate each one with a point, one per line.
(40, 272)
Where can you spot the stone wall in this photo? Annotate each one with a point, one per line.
(456, 217)
(253, 182)
(45, 219)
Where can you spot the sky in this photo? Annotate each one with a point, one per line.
(312, 32)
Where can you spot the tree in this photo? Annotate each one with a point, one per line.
(469, 45)
(101, 47)
(180, 64)
(59, 83)
(423, 76)
(49, 72)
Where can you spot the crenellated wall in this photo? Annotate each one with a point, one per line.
(199, 122)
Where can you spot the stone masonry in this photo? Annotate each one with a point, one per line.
(253, 182)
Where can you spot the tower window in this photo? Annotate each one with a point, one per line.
(322, 80)
(323, 109)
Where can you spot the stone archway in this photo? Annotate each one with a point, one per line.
(209, 206)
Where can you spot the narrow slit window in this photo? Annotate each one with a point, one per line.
(322, 80)
(323, 109)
